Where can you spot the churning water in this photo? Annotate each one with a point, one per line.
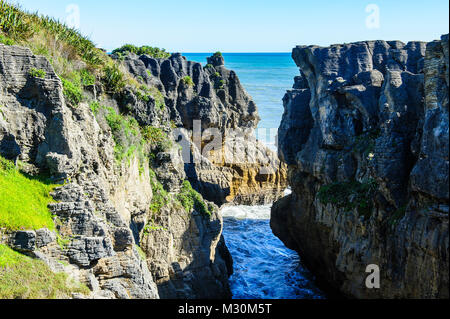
(263, 267)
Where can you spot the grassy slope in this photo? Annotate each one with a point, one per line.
(22, 277)
(23, 200)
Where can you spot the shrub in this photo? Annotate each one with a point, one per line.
(37, 73)
(364, 144)
(22, 277)
(188, 81)
(157, 138)
(397, 216)
(192, 200)
(72, 92)
(350, 195)
(95, 107)
(143, 93)
(217, 54)
(161, 197)
(125, 132)
(6, 41)
(87, 78)
(143, 50)
(113, 78)
(23, 199)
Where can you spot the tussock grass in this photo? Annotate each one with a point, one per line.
(23, 200)
(23, 26)
(75, 58)
(22, 277)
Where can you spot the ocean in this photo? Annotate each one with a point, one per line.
(266, 77)
(263, 267)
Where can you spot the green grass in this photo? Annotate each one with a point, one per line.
(35, 73)
(187, 198)
(147, 50)
(22, 277)
(151, 227)
(23, 200)
(350, 195)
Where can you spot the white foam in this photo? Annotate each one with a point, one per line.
(247, 212)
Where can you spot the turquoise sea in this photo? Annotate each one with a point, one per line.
(263, 267)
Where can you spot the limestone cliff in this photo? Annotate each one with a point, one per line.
(102, 209)
(214, 96)
(365, 134)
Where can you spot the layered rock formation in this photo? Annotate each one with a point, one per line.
(365, 134)
(213, 96)
(103, 208)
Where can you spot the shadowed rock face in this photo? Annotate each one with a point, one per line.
(365, 134)
(217, 99)
(103, 207)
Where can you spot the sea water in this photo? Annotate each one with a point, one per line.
(263, 267)
(266, 77)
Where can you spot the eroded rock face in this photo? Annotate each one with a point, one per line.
(365, 134)
(216, 99)
(102, 207)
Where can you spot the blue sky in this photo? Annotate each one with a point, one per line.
(247, 25)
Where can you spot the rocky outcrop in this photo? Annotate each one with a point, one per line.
(102, 207)
(210, 101)
(365, 134)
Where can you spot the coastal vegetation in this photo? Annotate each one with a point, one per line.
(350, 195)
(22, 277)
(35, 73)
(143, 50)
(23, 199)
(188, 81)
(74, 57)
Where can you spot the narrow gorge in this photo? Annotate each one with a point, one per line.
(137, 173)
